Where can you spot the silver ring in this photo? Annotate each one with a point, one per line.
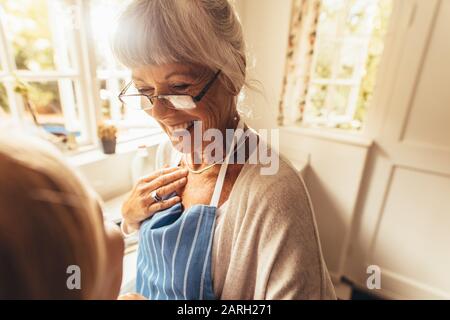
(155, 196)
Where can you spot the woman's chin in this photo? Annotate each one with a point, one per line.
(182, 140)
(181, 145)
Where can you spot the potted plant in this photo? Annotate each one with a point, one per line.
(107, 134)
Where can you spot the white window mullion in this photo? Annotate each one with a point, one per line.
(43, 76)
(338, 82)
(119, 74)
(15, 101)
(89, 104)
(338, 45)
(62, 62)
(112, 85)
(68, 105)
(360, 69)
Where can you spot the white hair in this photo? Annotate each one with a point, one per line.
(199, 32)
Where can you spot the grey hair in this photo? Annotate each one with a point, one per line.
(204, 33)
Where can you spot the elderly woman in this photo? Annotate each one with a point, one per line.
(209, 229)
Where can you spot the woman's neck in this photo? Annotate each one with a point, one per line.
(200, 158)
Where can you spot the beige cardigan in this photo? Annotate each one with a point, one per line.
(266, 244)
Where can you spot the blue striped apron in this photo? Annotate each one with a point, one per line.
(174, 255)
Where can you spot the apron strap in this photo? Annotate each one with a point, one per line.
(223, 168)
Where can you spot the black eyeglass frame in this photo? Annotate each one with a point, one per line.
(196, 98)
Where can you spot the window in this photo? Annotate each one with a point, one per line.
(36, 56)
(112, 77)
(348, 48)
(50, 50)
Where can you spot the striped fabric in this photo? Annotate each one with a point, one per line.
(174, 257)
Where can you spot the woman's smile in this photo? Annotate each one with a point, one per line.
(187, 125)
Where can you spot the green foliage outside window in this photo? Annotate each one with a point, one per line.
(376, 46)
(342, 26)
(30, 38)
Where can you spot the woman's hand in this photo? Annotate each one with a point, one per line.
(140, 205)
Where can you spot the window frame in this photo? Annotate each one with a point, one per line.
(354, 83)
(85, 74)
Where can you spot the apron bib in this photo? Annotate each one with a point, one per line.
(174, 255)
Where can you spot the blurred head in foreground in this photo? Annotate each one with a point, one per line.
(52, 232)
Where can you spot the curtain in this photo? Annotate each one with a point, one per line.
(302, 36)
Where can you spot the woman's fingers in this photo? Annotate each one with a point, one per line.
(158, 173)
(164, 204)
(167, 189)
(140, 206)
(153, 207)
(164, 179)
(171, 187)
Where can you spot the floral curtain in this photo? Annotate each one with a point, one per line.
(302, 36)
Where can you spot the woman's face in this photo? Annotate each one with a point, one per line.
(215, 110)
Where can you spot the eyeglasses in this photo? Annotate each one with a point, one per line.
(141, 101)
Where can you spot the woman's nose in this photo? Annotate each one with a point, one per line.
(160, 110)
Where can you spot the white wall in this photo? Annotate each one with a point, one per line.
(387, 203)
(403, 218)
(333, 180)
(266, 25)
(336, 165)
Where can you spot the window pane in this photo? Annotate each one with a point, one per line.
(328, 100)
(330, 16)
(324, 60)
(338, 58)
(339, 100)
(111, 107)
(317, 97)
(328, 105)
(350, 55)
(375, 51)
(4, 106)
(359, 17)
(131, 122)
(33, 35)
(53, 106)
(105, 96)
(347, 53)
(112, 76)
